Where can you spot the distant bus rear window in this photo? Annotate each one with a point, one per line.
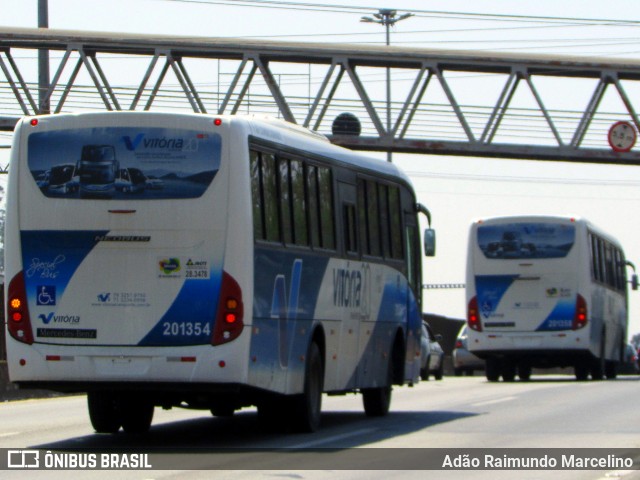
(124, 162)
(526, 240)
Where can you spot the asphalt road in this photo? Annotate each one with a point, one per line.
(468, 413)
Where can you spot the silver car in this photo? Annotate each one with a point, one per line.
(431, 354)
(463, 360)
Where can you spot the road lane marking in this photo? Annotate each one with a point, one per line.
(334, 438)
(9, 434)
(490, 402)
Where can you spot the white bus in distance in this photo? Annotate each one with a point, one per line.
(270, 267)
(546, 291)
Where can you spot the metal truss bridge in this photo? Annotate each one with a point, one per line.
(440, 102)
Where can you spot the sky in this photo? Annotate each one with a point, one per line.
(457, 190)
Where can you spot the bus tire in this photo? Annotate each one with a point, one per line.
(581, 371)
(377, 401)
(137, 415)
(611, 369)
(597, 370)
(508, 370)
(524, 371)
(598, 363)
(307, 407)
(223, 410)
(103, 412)
(492, 369)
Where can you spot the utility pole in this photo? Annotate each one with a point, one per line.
(43, 60)
(388, 19)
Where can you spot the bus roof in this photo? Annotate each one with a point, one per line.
(320, 145)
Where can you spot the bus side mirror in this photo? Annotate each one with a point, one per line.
(634, 282)
(429, 242)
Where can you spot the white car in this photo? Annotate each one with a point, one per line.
(463, 360)
(431, 354)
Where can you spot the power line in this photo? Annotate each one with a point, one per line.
(307, 6)
(542, 22)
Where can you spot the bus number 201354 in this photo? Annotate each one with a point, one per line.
(188, 329)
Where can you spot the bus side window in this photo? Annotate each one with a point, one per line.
(270, 192)
(373, 219)
(369, 218)
(299, 204)
(395, 223)
(285, 199)
(326, 208)
(383, 201)
(265, 196)
(314, 210)
(621, 274)
(595, 264)
(610, 269)
(412, 256)
(256, 194)
(320, 207)
(350, 230)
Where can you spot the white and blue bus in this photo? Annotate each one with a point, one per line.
(546, 291)
(270, 267)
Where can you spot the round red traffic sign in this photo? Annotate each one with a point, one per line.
(622, 136)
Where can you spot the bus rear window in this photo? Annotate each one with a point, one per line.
(526, 240)
(124, 162)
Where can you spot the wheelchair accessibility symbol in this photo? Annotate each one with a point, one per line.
(46, 295)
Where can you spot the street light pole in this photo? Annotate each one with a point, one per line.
(387, 18)
(43, 60)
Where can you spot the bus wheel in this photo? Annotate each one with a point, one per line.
(581, 371)
(597, 370)
(377, 401)
(524, 372)
(103, 412)
(492, 369)
(598, 363)
(611, 369)
(508, 370)
(307, 408)
(137, 414)
(222, 410)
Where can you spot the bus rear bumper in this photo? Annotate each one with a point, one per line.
(58, 364)
(561, 349)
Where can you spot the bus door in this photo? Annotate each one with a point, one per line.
(526, 277)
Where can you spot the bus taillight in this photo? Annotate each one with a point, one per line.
(580, 317)
(19, 324)
(473, 316)
(229, 323)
